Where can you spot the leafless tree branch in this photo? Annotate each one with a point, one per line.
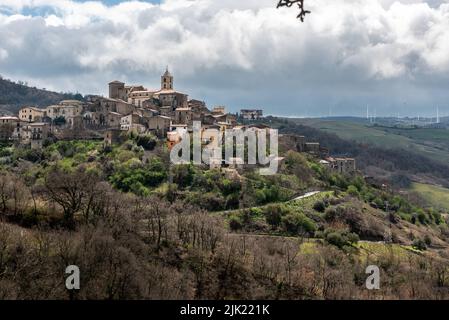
(288, 3)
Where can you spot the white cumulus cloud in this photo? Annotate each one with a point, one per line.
(240, 53)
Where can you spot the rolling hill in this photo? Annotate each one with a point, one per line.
(15, 95)
(429, 142)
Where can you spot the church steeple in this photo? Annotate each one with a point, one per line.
(167, 81)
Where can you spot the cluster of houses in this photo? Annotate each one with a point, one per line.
(165, 113)
(128, 108)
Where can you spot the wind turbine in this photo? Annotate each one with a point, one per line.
(438, 114)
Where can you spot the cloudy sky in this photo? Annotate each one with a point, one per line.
(392, 55)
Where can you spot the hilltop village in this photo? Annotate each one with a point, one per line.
(165, 113)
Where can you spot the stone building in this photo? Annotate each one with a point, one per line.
(106, 112)
(34, 133)
(113, 120)
(172, 98)
(341, 165)
(131, 122)
(117, 90)
(68, 110)
(220, 110)
(292, 142)
(146, 112)
(138, 98)
(160, 125)
(312, 147)
(251, 114)
(123, 107)
(183, 115)
(345, 165)
(167, 112)
(9, 128)
(198, 106)
(31, 114)
(207, 119)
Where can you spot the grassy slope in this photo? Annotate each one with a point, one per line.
(437, 196)
(433, 143)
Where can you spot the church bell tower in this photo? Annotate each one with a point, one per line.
(167, 81)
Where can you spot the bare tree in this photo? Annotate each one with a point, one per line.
(13, 194)
(155, 220)
(70, 190)
(300, 3)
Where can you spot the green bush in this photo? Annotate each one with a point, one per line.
(340, 238)
(235, 223)
(419, 244)
(336, 239)
(134, 176)
(183, 175)
(6, 152)
(353, 191)
(148, 142)
(230, 186)
(296, 223)
(320, 206)
(273, 215)
(422, 217)
(334, 213)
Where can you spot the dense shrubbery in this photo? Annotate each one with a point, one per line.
(137, 177)
(278, 217)
(339, 238)
(320, 206)
(148, 142)
(419, 244)
(296, 223)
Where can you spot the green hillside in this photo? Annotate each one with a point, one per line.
(15, 95)
(432, 143)
(437, 196)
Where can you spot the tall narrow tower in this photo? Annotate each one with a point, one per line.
(167, 81)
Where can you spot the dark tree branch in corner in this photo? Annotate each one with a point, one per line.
(288, 3)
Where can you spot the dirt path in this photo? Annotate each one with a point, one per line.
(307, 195)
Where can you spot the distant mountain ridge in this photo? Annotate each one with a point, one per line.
(14, 95)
